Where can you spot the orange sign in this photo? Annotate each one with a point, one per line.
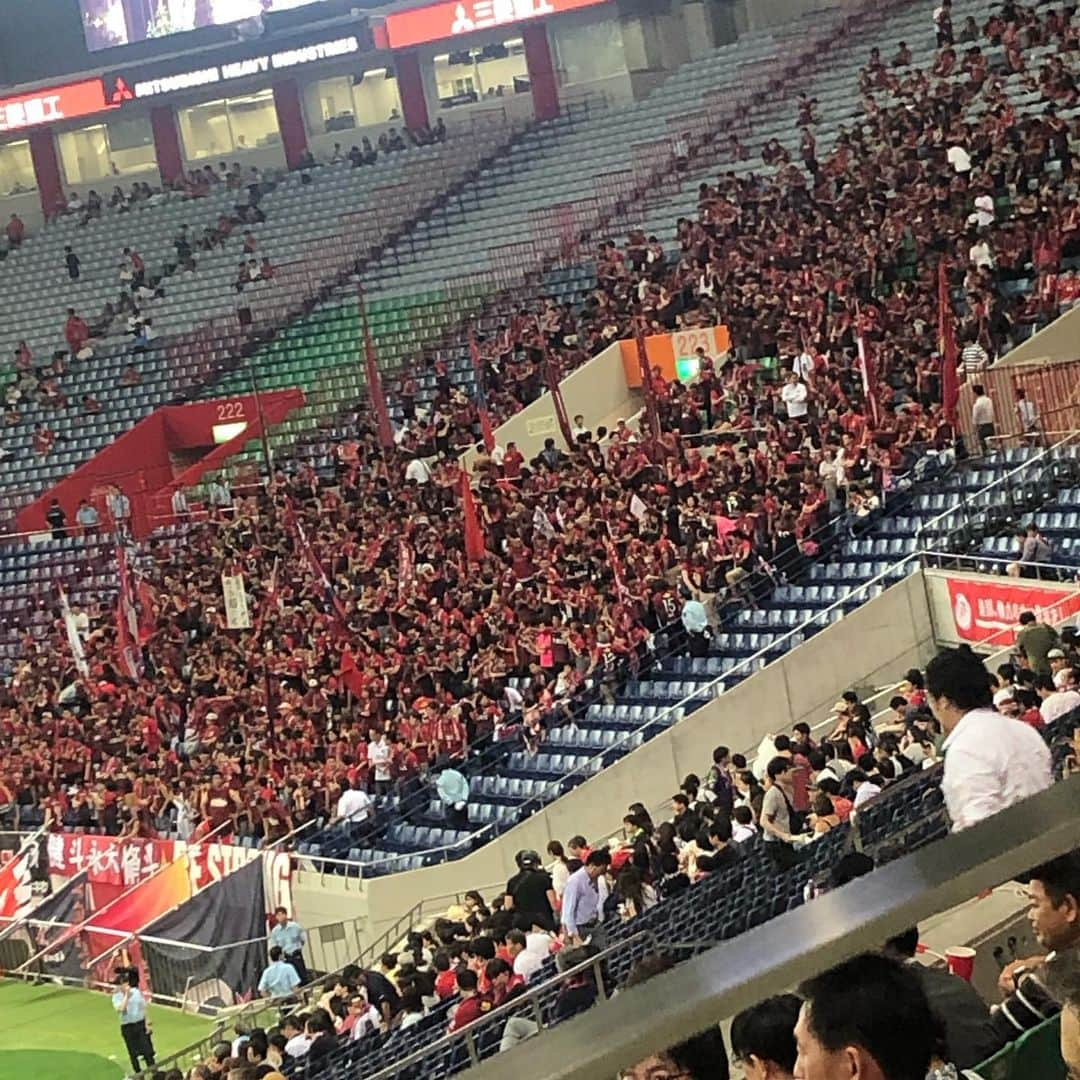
(455, 17)
(675, 354)
(52, 103)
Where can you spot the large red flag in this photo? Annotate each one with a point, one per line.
(867, 372)
(127, 621)
(552, 376)
(950, 381)
(481, 398)
(374, 381)
(647, 388)
(474, 534)
(350, 673)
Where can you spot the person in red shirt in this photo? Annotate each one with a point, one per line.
(76, 332)
(473, 1003)
(446, 979)
(513, 459)
(503, 980)
(15, 231)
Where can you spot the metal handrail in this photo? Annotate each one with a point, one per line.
(771, 958)
(1071, 571)
(1040, 457)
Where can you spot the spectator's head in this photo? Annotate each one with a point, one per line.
(275, 954)
(578, 848)
(763, 1038)
(597, 863)
(866, 1018)
(1054, 895)
(515, 943)
(721, 757)
(701, 1057)
(778, 769)
(466, 981)
(720, 833)
(743, 815)
(281, 916)
(1026, 618)
(956, 683)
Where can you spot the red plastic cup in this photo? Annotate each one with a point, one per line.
(961, 961)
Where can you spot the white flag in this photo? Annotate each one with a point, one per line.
(73, 636)
(637, 506)
(237, 616)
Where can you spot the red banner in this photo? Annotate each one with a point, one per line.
(109, 861)
(988, 611)
(454, 17)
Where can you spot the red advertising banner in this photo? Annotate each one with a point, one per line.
(52, 104)
(987, 611)
(455, 17)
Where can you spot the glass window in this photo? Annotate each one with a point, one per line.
(494, 71)
(328, 105)
(131, 144)
(217, 128)
(352, 101)
(253, 120)
(110, 149)
(16, 168)
(205, 130)
(375, 98)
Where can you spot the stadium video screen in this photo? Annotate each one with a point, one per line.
(111, 23)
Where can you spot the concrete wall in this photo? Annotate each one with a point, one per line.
(876, 644)
(597, 391)
(1058, 341)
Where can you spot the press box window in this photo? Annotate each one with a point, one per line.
(217, 128)
(16, 168)
(114, 148)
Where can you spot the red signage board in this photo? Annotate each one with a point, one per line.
(986, 612)
(51, 104)
(455, 17)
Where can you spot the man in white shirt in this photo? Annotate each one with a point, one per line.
(991, 760)
(959, 159)
(1057, 698)
(528, 951)
(982, 418)
(865, 789)
(417, 470)
(794, 395)
(379, 754)
(354, 806)
(980, 256)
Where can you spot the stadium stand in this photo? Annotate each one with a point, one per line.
(570, 638)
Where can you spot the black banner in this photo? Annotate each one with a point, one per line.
(229, 911)
(50, 930)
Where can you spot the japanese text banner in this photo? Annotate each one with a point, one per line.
(987, 611)
(455, 17)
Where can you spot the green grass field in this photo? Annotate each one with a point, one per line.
(53, 1033)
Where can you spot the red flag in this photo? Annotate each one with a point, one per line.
(145, 597)
(474, 534)
(616, 571)
(950, 382)
(647, 388)
(307, 552)
(375, 387)
(867, 372)
(350, 673)
(481, 398)
(557, 400)
(127, 621)
(406, 567)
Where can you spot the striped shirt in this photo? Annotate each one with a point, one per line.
(973, 358)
